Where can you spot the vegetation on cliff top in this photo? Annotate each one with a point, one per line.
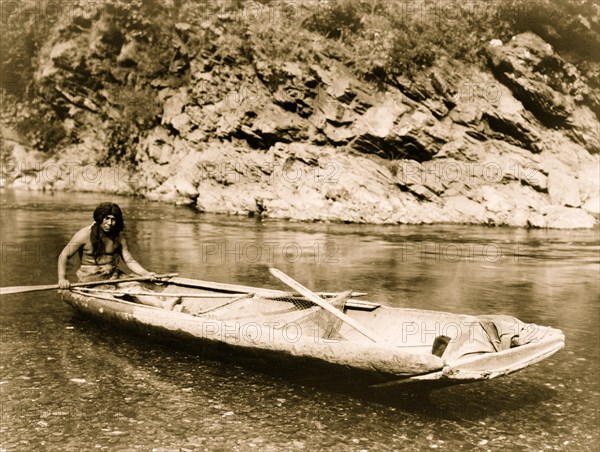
(148, 44)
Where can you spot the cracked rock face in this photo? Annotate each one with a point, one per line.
(549, 87)
(515, 144)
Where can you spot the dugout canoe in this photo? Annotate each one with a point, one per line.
(277, 328)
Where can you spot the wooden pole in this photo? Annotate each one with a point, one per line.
(23, 289)
(325, 305)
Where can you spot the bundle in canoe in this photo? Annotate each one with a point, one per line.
(381, 345)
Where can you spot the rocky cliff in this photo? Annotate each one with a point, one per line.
(242, 110)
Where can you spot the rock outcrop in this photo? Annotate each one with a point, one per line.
(516, 143)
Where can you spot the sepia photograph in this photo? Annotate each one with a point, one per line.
(299, 225)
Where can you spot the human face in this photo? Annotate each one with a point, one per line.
(108, 223)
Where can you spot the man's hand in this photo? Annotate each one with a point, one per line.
(64, 283)
(150, 275)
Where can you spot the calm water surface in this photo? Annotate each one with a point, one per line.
(67, 383)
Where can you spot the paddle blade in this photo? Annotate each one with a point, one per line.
(22, 289)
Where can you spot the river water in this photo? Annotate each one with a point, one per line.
(67, 383)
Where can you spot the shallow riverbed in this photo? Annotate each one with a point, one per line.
(67, 383)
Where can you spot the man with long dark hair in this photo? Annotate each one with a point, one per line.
(100, 246)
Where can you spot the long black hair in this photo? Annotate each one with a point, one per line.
(100, 213)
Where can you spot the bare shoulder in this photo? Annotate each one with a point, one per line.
(78, 241)
(82, 235)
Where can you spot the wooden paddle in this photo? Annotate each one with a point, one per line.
(264, 293)
(22, 289)
(325, 305)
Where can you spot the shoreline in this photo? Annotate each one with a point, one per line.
(92, 178)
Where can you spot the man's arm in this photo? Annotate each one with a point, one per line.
(68, 251)
(133, 265)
